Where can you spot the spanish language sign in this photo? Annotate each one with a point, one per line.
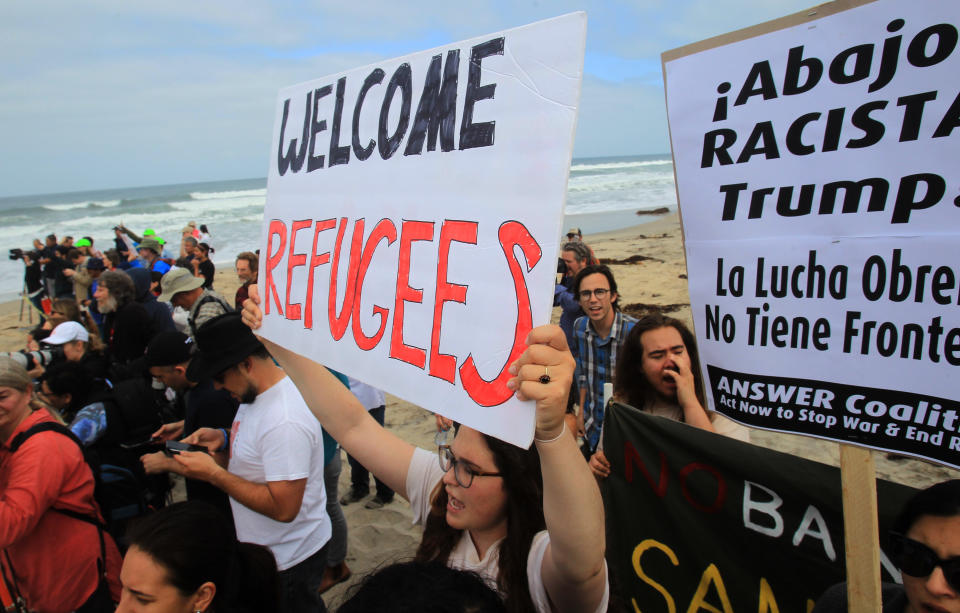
(413, 216)
(700, 493)
(819, 186)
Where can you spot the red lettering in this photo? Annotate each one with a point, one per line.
(278, 228)
(383, 230)
(631, 457)
(721, 496)
(294, 260)
(442, 365)
(338, 323)
(490, 393)
(315, 260)
(410, 231)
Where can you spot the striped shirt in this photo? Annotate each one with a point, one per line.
(596, 359)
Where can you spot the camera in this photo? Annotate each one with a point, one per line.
(16, 254)
(31, 359)
(561, 267)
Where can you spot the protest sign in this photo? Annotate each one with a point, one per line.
(698, 521)
(817, 176)
(413, 214)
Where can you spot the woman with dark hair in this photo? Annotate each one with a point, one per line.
(925, 545)
(203, 266)
(530, 521)
(186, 558)
(424, 587)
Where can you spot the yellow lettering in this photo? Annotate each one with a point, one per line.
(638, 551)
(768, 604)
(710, 576)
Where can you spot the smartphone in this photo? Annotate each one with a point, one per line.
(175, 447)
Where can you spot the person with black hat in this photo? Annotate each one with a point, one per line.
(274, 470)
(168, 357)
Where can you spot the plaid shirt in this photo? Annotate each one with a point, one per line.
(596, 358)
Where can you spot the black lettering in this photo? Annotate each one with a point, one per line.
(437, 110)
(862, 56)
(795, 135)
(711, 148)
(906, 201)
(732, 195)
(478, 134)
(853, 193)
(758, 82)
(375, 77)
(888, 59)
(338, 154)
(913, 113)
(951, 120)
(316, 161)
(946, 43)
(872, 129)
(293, 159)
(762, 133)
(791, 79)
(401, 80)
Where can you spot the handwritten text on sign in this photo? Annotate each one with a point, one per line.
(413, 215)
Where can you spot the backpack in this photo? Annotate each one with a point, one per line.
(15, 444)
(204, 300)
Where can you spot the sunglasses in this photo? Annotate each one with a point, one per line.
(917, 560)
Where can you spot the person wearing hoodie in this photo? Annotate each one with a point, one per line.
(159, 312)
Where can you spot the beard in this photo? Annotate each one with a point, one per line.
(249, 395)
(107, 305)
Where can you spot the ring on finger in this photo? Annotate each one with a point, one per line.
(545, 377)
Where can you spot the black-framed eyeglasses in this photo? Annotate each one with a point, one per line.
(461, 470)
(918, 560)
(600, 292)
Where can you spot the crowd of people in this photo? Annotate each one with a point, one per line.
(141, 370)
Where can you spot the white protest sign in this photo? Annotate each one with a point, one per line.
(819, 184)
(413, 214)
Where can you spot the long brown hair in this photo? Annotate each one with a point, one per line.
(520, 469)
(630, 385)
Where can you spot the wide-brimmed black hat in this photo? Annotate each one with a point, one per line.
(222, 342)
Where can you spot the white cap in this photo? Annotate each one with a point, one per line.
(66, 332)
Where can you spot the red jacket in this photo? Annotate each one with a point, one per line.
(54, 557)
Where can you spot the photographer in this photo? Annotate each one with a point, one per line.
(32, 277)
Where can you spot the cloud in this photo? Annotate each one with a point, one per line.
(110, 93)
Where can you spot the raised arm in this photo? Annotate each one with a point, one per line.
(573, 568)
(384, 454)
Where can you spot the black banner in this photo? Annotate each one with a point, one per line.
(698, 521)
(890, 420)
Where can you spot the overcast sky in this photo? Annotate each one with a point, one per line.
(113, 93)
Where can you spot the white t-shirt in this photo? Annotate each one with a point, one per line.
(277, 438)
(422, 477)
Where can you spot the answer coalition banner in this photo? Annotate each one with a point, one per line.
(413, 216)
(698, 521)
(817, 175)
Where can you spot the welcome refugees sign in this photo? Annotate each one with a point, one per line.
(817, 176)
(413, 214)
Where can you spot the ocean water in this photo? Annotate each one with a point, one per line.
(233, 210)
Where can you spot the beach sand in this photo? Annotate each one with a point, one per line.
(656, 281)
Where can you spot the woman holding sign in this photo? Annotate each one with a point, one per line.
(529, 521)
